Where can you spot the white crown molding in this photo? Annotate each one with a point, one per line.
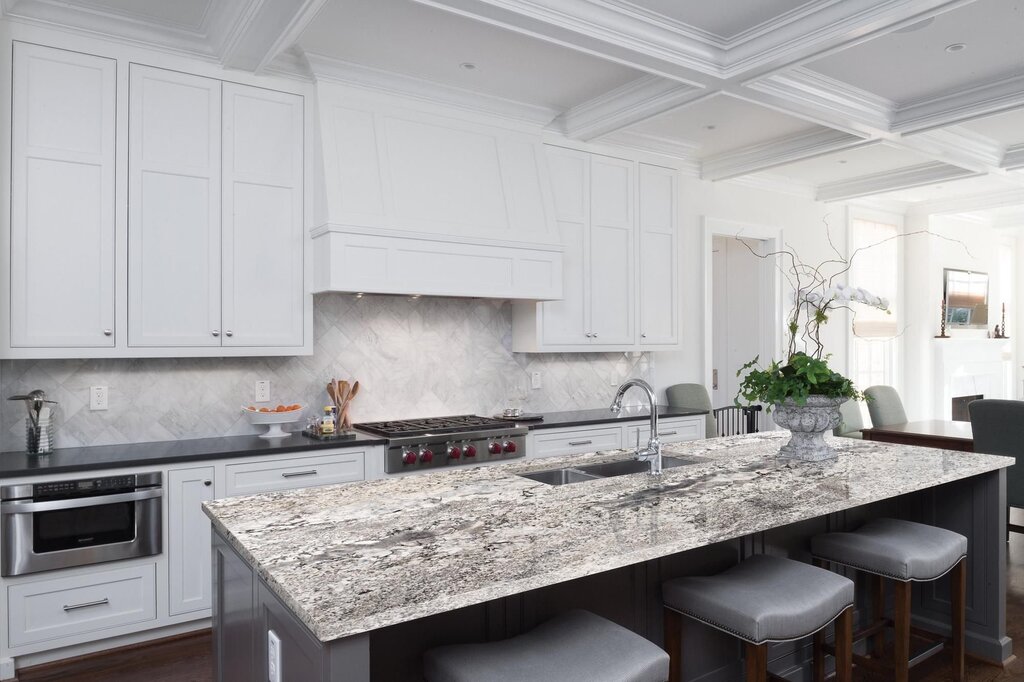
(837, 104)
(681, 152)
(1008, 221)
(893, 206)
(265, 30)
(290, 64)
(348, 73)
(1013, 157)
(777, 184)
(778, 152)
(957, 146)
(975, 202)
(957, 107)
(889, 181)
(636, 101)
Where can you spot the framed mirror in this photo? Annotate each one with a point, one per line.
(966, 295)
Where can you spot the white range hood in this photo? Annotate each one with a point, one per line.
(431, 200)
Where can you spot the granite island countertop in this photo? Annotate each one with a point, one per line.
(355, 558)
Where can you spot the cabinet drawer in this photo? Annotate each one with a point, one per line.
(299, 472)
(669, 431)
(81, 604)
(553, 444)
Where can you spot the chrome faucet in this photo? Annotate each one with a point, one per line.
(652, 453)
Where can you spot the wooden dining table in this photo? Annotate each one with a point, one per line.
(934, 433)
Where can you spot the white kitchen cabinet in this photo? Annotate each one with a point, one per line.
(188, 541)
(263, 290)
(216, 217)
(573, 441)
(174, 235)
(671, 430)
(621, 260)
(62, 199)
(659, 256)
(343, 466)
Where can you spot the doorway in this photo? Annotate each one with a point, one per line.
(743, 316)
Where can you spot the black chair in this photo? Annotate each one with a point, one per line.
(735, 421)
(998, 427)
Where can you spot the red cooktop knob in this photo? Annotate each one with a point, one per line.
(426, 455)
(454, 452)
(469, 451)
(494, 448)
(409, 457)
(509, 446)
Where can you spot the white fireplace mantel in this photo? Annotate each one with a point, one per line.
(971, 366)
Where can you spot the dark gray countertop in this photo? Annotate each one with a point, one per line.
(67, 460)
(553, 420)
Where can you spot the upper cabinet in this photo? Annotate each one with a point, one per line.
(617, 222)
(62, 230)
(204, 257)
(433, 201)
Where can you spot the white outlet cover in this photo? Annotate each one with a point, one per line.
(535, 380)
(262, 392)
(98, 398)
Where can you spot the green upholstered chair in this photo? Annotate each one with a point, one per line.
(852, 422)
(885, 406)
(693, 396)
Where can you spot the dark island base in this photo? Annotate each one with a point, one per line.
(245, 609)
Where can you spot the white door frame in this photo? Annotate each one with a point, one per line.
(771, 278)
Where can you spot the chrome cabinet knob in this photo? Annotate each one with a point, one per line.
(108, 332)
(216, 332)
(643, 336)
(207, 483)
(229, 333)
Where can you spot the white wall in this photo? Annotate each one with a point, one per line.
(801, 222)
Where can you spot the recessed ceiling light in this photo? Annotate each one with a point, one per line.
(956, 47)
(711, 127)
(467, 66)
(842, 160)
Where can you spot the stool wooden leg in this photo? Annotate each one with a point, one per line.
(844, 646)
(901, 617)
(818, 660)
(757, 663)
(958, 617)
(877, 588)
(674, 644)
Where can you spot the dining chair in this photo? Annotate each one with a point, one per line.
(998, 427)
(852, 420)
(736, 420)
(884, 406)
(693, 396)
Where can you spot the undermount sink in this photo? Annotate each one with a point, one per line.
(593, 472)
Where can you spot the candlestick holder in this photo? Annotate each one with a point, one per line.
(942, 322)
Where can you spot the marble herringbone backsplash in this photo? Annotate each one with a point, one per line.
(413, 358)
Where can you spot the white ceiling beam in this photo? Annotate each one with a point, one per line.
(974, 202)
(624, 106)
(1013, 157)
(266, 29)
(956, 146)
(890, 181)
(778, 153)
(981, 100)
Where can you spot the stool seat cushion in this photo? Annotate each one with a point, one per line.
(902, 550)
(577, 646)
(763, 599)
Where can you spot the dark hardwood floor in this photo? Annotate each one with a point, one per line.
(188, 658)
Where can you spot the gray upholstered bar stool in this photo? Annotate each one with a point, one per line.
(903, 552)
(764, 599)
(576, 646)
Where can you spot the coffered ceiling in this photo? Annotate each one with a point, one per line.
(842, 99)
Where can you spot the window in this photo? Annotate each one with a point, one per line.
(874, 346)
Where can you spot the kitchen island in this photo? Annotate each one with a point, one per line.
(357, 581)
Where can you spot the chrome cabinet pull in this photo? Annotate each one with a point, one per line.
(667, 433)
(580, 442)
(98, 602)
(293, 474)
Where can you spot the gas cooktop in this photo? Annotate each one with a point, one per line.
(432, 425)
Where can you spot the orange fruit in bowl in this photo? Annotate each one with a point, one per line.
(264, 409)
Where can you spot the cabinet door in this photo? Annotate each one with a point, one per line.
(188, 542)
(566, 322)
(264, 291)
(612, 291)
(62, 199)
(659, 256)
(174, 209)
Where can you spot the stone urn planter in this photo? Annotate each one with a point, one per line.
(808, 424)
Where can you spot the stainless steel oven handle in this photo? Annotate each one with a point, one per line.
(28, 507)
(98, 602)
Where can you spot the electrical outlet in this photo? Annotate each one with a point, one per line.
(273, 656)
(97, 398)
(263, 391)
(535, 381)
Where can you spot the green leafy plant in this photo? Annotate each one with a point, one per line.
(802, 377)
